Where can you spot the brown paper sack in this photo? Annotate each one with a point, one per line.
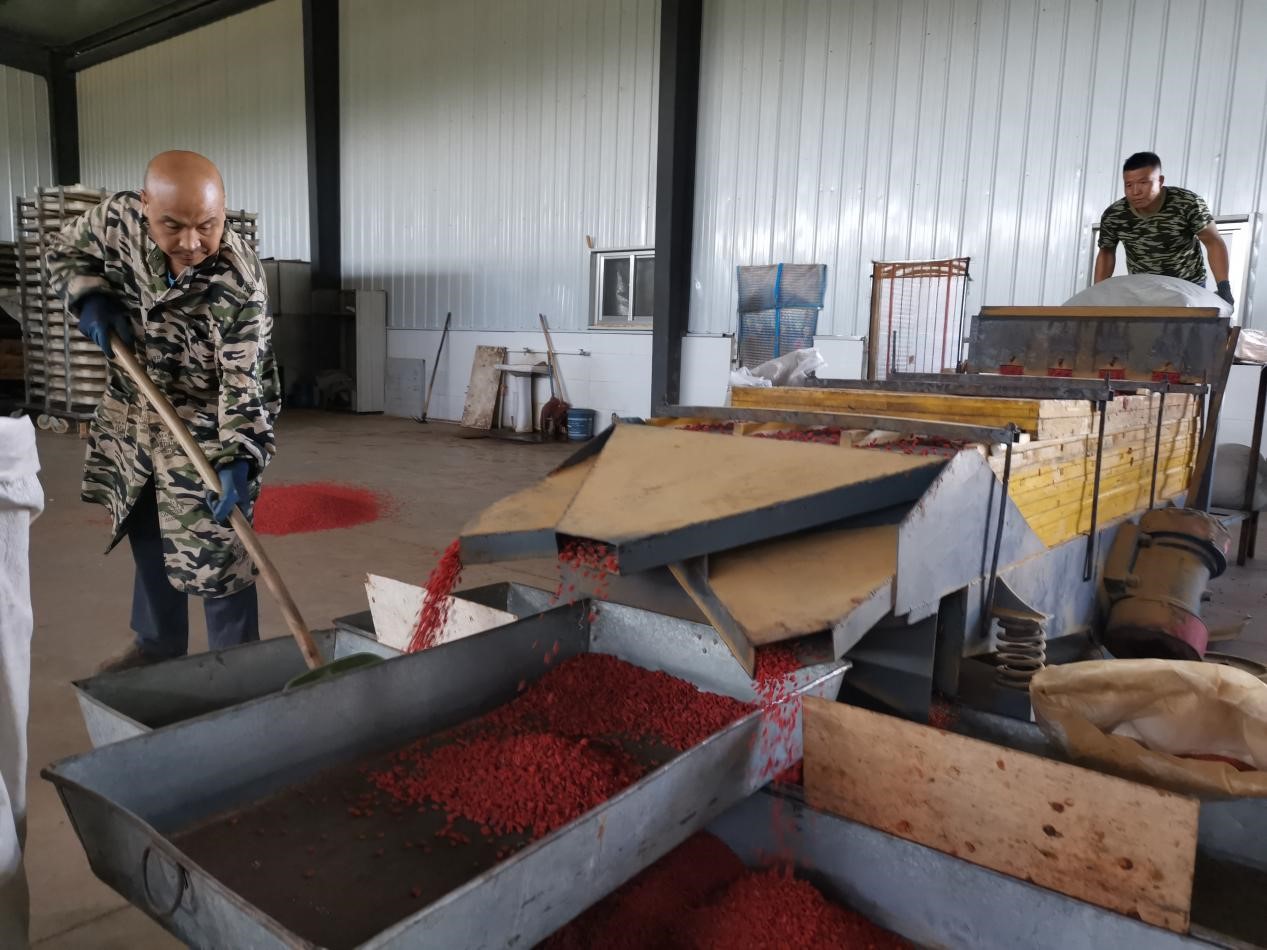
(1101, 711)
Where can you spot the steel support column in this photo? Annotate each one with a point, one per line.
(63, 121)
(680, 31)
(321, 95)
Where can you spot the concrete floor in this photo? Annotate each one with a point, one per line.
(82, 599)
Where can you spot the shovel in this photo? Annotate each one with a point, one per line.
(246, 534)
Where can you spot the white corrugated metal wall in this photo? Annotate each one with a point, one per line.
(839, 132)
(233, 90)
(26, 152)
(483, 140)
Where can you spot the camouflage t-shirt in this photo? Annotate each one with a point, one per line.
(1164, 242)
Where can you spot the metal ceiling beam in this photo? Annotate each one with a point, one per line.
(321, 101)
(681, 25)
(22, 53)
(170, 20)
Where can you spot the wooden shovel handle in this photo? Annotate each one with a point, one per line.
(246, 534)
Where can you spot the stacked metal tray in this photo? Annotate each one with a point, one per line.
(64, 373)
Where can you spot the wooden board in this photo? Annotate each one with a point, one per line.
(1105, 840)
(1076, 447)
(481, 392)
(522, 525)
(972, 410)
(395, 606)
(790, 587)
(651, 481)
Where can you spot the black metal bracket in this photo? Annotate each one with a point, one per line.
(1161, 415)
(1088, 565)
(986, 614)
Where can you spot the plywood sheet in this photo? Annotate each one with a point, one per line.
(657, 490)
(790, 587)
(1105, 840)
(481, 392)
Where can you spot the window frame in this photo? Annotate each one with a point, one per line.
(598, 262)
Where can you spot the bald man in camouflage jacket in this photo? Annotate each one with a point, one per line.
(159, 271)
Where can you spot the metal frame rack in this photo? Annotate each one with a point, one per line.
(69, 387)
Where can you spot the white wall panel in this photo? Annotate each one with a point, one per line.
(482, 141)
(234, 91)
(842, 131)
(26, 155)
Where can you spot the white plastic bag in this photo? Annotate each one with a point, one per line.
(742, 378)
(791, 369)
(1148, 290)
(1251, 346)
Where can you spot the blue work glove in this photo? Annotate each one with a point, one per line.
(101, 313)
(1225, 291)
(235, 489)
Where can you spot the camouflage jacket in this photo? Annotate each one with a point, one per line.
(206, 343)
(1164, 242)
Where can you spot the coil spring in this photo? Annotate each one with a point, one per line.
(1022, 651)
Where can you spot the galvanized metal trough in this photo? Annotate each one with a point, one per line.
(129, 800)
(121, 705)
(931, 898)
(131, 702)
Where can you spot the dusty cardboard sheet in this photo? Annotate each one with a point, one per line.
(650, 480)
(1135, 718)
(789, 587)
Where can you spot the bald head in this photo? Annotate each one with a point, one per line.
(183, 202)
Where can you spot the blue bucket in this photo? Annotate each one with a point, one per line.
(580, 424)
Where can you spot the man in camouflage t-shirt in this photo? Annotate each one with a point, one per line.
(1162, 227)
(157, 271)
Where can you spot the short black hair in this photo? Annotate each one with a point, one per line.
(1141, 160)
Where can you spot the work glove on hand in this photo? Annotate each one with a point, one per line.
(235, 489)
(1225, 291)
(98, 315)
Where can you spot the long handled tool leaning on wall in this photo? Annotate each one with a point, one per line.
(246, 534)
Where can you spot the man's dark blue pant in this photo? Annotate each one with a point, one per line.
(160, 612)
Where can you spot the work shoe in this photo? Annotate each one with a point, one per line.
(129, 658)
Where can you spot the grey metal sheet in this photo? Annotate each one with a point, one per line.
(136, 794)
(932, 899)
(1140, 345)
(121, 705)
(947, 538)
